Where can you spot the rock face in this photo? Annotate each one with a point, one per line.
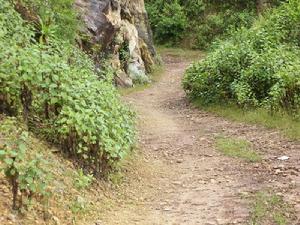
(119, 28)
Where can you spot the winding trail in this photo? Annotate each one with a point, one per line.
(195, 183)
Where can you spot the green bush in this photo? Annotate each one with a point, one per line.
(56, 89)
(168, 21)
(210, 80)
(268, 81)
(198, 21)
(256, 67)
(193, 8)
(220, 24)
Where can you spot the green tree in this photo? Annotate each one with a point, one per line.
(168, 20)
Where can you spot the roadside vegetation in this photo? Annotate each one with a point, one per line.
(52, 84)
(198, 23)
(49, 88)
(256, 69)
(39, 183)
(46, 188)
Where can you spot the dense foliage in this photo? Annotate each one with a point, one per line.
(199, 22)
(255, 67)
(55, 87)
(168, 20)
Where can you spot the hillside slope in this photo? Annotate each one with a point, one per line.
(73, 197)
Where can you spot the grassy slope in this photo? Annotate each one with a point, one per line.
(68, 204)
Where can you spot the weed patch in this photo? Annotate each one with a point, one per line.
(237, 148)
(269, 208)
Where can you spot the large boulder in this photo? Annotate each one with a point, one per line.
(111, 24)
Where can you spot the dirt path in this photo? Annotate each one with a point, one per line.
(196, 184)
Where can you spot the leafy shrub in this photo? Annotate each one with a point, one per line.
(26, 173)
(199, 21)
(220, 24)
(256, 67)
(56, 89)
(267, 79)
(193, 8)
(213, 76)
(168, 21)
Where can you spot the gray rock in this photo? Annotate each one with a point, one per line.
(97, 25)
(137, 73)
(123, 80)
(108, 24)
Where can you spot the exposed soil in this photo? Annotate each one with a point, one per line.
(196, 184)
